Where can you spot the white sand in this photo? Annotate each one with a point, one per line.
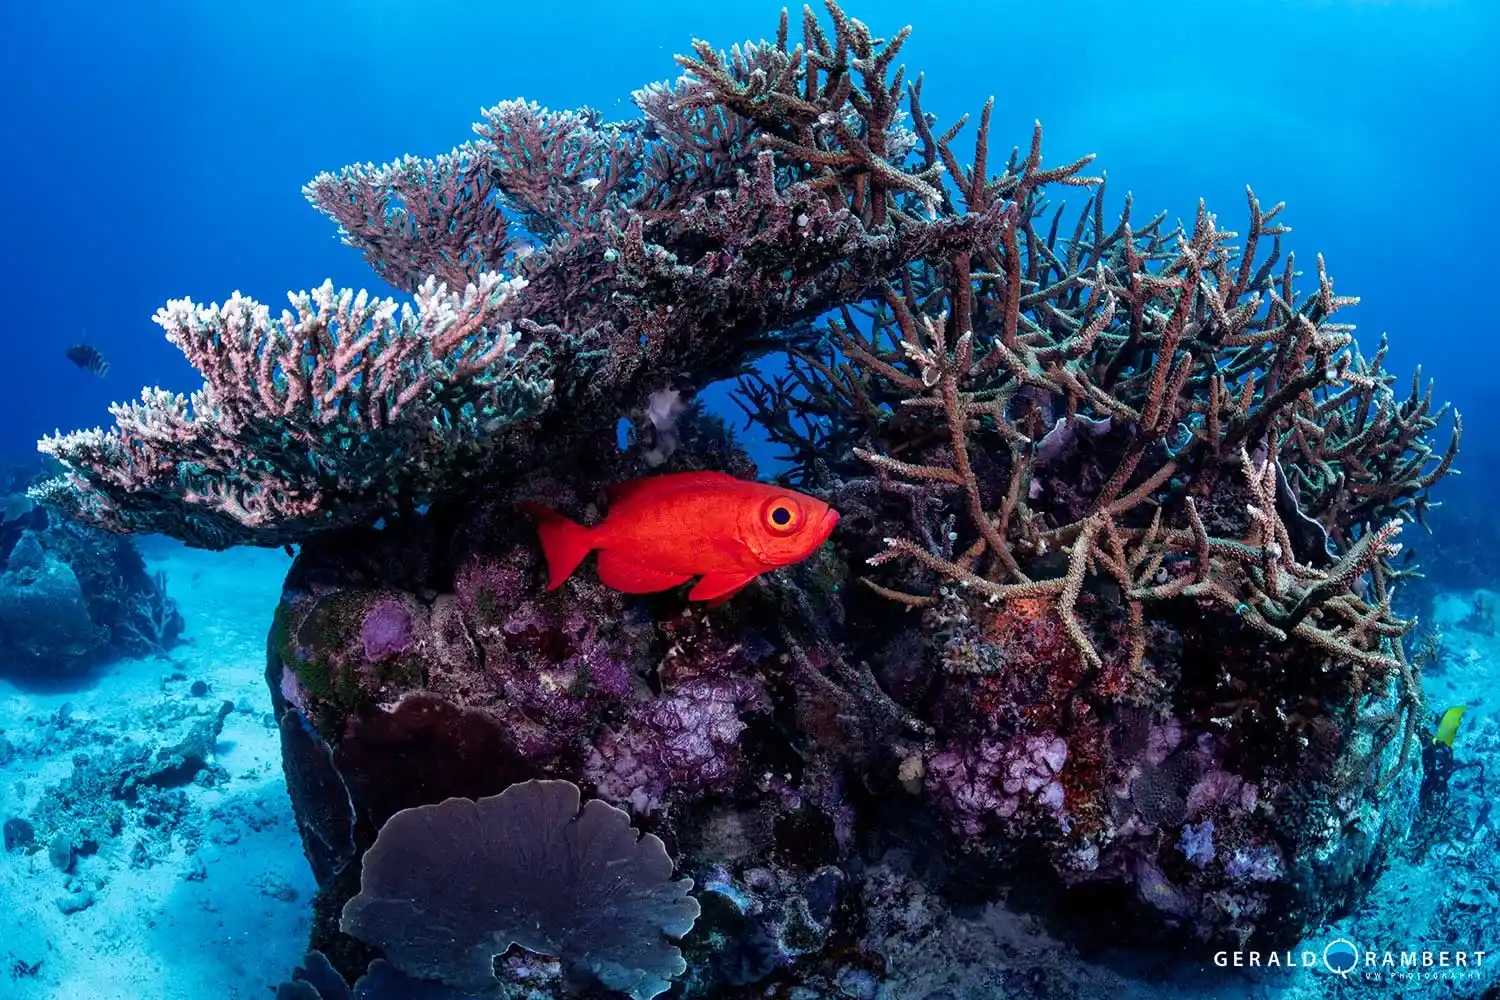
(152, 934)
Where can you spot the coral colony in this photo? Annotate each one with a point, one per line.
(1108, 615)
(72, 596)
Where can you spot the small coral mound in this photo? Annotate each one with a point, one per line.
(70, 595)
(449, 887)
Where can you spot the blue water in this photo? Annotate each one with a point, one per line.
(157, 150)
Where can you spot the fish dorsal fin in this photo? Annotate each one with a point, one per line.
(671, 480)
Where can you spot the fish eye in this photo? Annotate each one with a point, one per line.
(782, 515)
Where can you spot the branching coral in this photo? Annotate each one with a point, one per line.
(757, 192)
(1150, 444)
(342, 409)
(1187, 370)
(155, 623)
(414, 217)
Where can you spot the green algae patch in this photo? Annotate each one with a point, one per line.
(320, 641)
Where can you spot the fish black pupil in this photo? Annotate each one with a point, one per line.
(780, 516)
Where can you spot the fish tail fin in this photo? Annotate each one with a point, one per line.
(564, 542)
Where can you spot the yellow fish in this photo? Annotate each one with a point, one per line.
(1448, 727)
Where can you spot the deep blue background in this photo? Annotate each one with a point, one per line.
(155, 150)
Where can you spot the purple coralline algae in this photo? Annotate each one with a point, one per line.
(992, 779)
(1197, 842)
(1255, 863)
(387, 630)
(684, 743)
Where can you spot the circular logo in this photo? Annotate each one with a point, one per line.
(1340, 956)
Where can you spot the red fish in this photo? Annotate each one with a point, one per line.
(662, 531)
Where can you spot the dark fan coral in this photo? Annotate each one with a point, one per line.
(447, 888)
(316, 979)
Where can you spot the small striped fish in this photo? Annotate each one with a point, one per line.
(89, 359)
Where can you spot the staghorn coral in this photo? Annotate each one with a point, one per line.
(1169, 437)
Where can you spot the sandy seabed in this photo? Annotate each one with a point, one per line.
(223, 919)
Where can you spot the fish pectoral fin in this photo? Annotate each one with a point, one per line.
(628, 577)
(718, 587)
